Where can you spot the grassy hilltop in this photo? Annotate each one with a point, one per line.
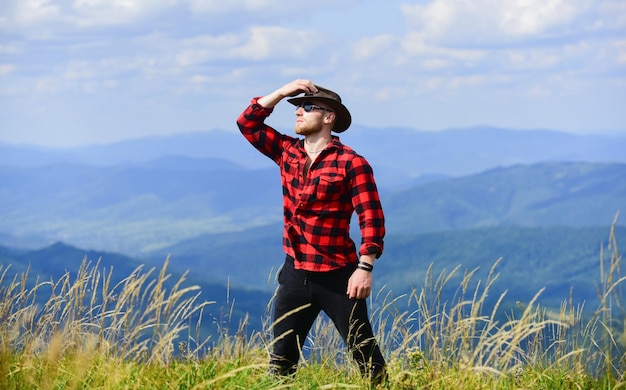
(143, 332)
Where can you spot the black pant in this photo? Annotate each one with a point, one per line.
(320, 291)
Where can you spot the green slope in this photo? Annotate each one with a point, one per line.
(50, 263)
(562, 260)
(532, 258)
(549, 194)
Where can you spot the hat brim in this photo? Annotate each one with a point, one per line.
(343, 119)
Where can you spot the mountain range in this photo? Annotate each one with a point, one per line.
(397, 154)
(139, 208)
(140, 195)
(542, 202)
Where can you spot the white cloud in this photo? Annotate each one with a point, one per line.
(259, 43)
(492, 21)
(59, 15)
(47, 85)
(532, 59)
(436, 63)
(608, 15)
(106, 12)
(272, 42)
(458, 44)
(369, 48)
(451, 83)
(6, 69)
(27, 12)
(257, 8)
(538, 91)
(205, 48)
(196, 54)
(620, 49)
(199, 79)
(9, 49)
(415, 44)
(223, 7)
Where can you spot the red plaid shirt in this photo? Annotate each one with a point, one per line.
(318, 208)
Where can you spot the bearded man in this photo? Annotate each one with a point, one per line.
(324, 182)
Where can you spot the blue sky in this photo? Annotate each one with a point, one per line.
(76, 72)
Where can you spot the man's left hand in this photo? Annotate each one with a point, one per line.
(360, 284)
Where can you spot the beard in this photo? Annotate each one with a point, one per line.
(304, 128)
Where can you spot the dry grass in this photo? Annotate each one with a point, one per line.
(88, 333)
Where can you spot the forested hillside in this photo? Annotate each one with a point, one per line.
(547, 194)
(229, 305)
(135, 209)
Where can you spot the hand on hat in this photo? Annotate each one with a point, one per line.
(297, 87)
(293, 88)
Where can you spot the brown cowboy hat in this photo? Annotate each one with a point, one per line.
(343, 119)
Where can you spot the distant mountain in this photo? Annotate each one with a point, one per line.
(465, 151)
(250, 258)
(541, 200)
(548, 194)
(138, 208)
(199, 145)
(52, 262)
(566, 261)
(399, 156)
(563, 260)
(131, 208)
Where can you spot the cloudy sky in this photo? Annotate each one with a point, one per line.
(78, 72)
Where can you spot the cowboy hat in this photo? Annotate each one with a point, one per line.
(343, 119)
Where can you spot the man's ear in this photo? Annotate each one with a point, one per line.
(330, 117)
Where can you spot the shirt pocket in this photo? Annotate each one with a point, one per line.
(330, 187)
(291, 167)
(291, 176)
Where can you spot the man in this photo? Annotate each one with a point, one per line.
(323, 182)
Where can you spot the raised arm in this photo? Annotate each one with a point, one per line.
(293, 88)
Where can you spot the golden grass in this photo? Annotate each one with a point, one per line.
(144, 332)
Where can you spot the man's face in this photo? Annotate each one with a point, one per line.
(311, 121)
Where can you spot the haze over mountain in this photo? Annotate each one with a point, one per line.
(542, 201)
(138, 196)
(407, 152)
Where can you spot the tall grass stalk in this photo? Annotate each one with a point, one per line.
(85, 331)
(87, 318)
